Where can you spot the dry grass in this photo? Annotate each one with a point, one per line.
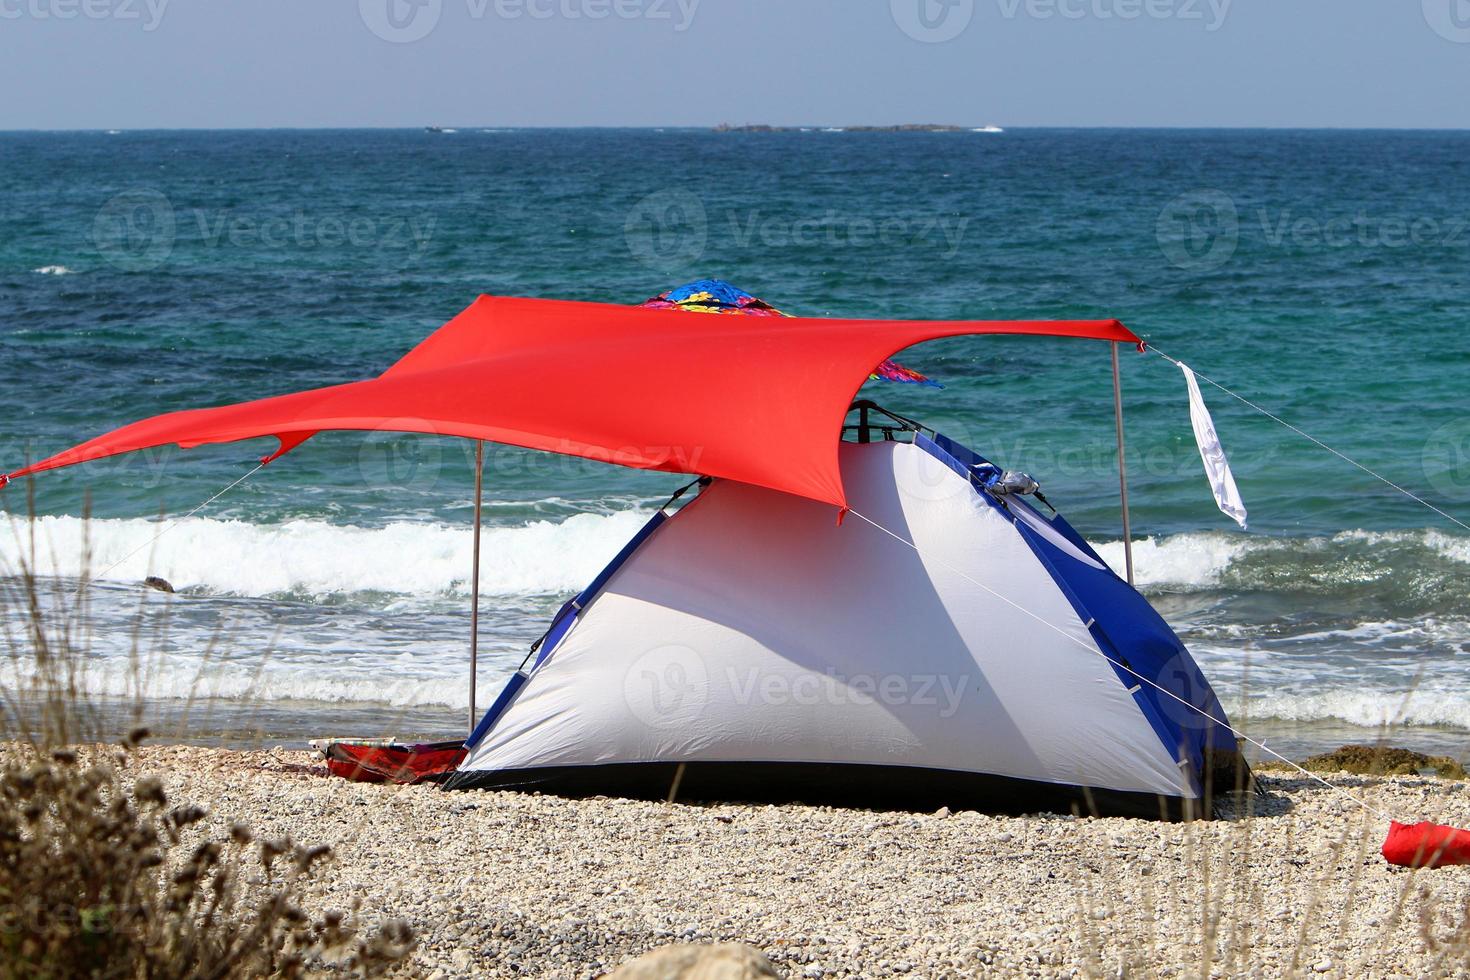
(1238, 914)
(103, 875)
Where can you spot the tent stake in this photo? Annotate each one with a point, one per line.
(1122, 464)
(475, 580)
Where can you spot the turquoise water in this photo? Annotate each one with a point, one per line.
(1321, 274)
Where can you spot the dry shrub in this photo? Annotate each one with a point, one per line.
(101, 873)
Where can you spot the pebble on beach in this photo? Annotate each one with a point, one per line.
(506, 884)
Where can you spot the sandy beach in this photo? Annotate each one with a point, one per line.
(506, 884)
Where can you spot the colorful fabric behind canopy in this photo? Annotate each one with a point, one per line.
(720, 297)
(614, 383)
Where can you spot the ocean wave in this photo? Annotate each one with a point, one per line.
(315, 558)
(1422, 568)
(1442, 544)
(1181, 560)
(1369, 709)
(438, 681)
(272, 682)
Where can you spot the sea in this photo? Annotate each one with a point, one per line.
(1322, 275)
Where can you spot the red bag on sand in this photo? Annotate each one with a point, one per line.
(1426, 845)
(394, 763)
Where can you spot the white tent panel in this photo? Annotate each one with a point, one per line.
(752, 628)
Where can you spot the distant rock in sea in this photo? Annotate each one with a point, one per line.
(904, 128)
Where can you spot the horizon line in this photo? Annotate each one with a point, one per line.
(654, 127)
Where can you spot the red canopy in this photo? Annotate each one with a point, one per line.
(637, 387)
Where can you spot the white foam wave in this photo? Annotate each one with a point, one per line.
(1445, 545)
(55, 270)
(316, 558)
(420, 558)
(271, 681)
(1188, 560)
(1201, 559)
(1364, 708)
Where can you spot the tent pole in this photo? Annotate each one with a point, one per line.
(475, 580)
(1122, 464)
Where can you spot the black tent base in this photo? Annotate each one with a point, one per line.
(853, 786)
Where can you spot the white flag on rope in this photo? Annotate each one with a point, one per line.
(1217, 467)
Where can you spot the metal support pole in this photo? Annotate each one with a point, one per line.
(475, 581)
(1122, 465)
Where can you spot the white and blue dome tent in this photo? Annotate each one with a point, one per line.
(953, 647)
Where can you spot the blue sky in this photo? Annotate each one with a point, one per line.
(209, 63)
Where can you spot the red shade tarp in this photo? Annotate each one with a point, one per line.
(636, 387)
